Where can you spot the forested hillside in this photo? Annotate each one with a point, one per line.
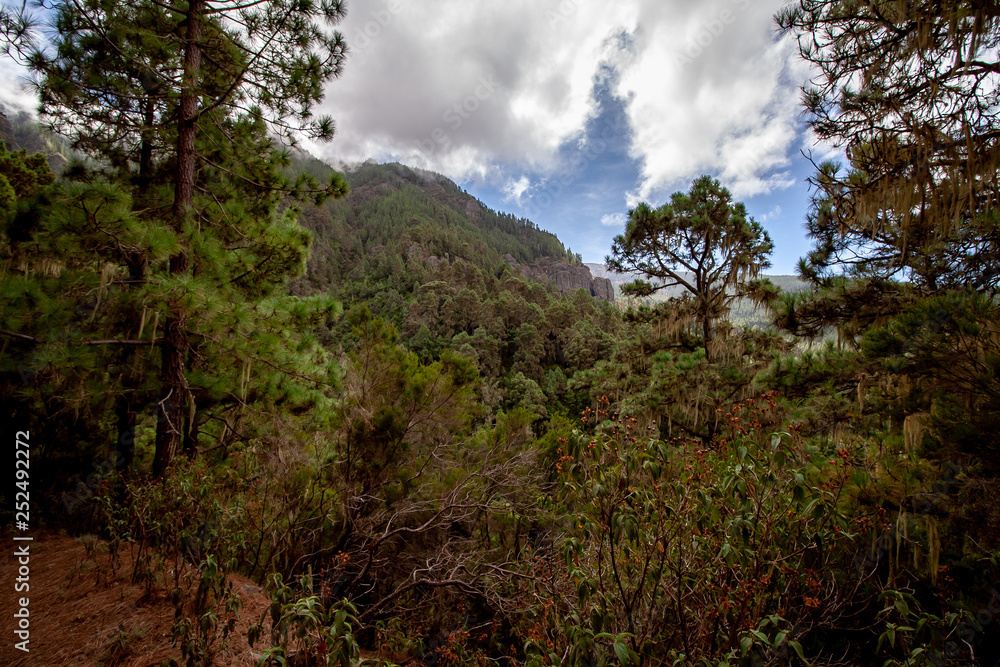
(299, 417)
(400, 227)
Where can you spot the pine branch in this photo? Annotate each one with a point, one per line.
(108, 341)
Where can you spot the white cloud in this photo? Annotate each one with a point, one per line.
(727, 106)
(614, 220)
(515, 189)
(414, 87)
(709, 86)
(492, 89)
(14, 94)
(770, 215)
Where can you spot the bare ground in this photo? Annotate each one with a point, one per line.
(84, 612)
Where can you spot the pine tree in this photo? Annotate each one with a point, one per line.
(907, 233)
(700, 241)
(188, 134)
(21, 176)
(908, 91)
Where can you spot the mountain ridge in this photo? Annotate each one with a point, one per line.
(413, 214)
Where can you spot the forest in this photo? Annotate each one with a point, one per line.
(362, 395)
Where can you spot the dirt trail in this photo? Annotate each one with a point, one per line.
(83, 613)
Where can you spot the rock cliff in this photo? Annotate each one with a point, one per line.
(566, 277)
(32, 141)
(7, 133)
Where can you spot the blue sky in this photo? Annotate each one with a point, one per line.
(587, 204)
(569, 112)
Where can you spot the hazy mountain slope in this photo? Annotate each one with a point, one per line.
(743, 311)
(19, 131)
(785, 282)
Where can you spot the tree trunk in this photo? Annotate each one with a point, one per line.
(170, 418)
(170, 414)
(706, 329)
(184, 186)
(191, 435)
(146, 150)
(130, 398)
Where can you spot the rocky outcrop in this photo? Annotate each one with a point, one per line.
(566, 277)
(569, 278)
(416, 250)
(7, 133)
(602, 288)
(33, 142)
(473, 208)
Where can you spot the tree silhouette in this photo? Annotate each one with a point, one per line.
(700, 241)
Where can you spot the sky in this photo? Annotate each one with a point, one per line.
(569, 112)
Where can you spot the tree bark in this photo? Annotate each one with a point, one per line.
(188, 119)
(170, 413)
(191, 435)
(130, 399)
(170, 417)
(706, 328)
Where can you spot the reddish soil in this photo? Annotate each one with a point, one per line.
(84, 613)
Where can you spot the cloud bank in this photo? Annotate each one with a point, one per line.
(491, 90)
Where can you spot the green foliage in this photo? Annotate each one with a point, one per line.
(688, 550)
(945, 347)
(432, 261)
(659, 373)
(413, 464)
(77, 312)
(847, 306)
(21, 176)
(132, 46)
(306, 632)
(900, 89)
(400, 224)
(700, 241)
(178, 227)
(395, 404)
(198, 627)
